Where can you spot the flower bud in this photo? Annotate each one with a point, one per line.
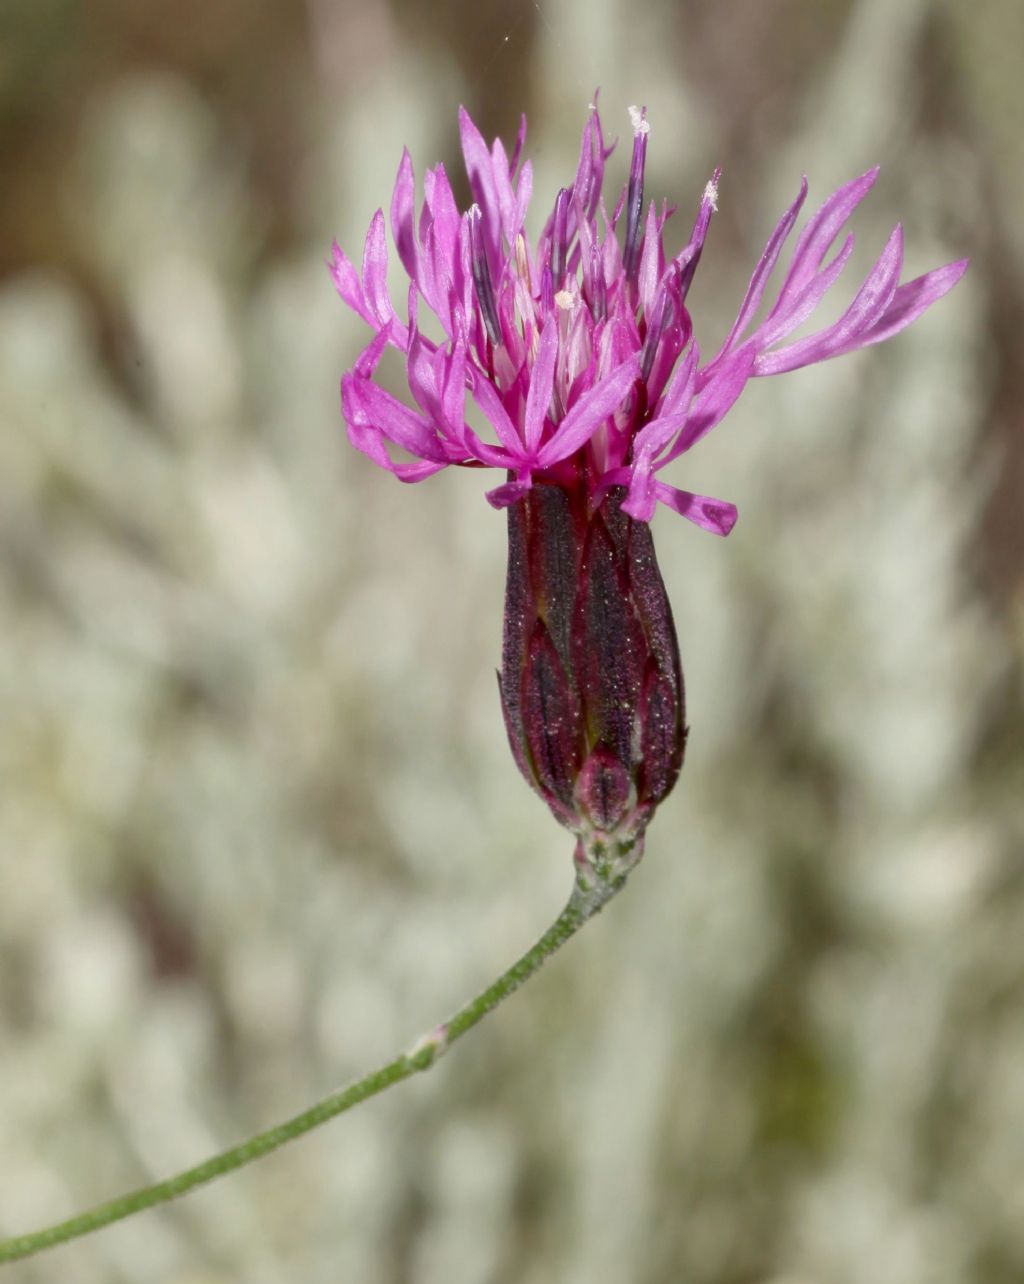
(591, 684)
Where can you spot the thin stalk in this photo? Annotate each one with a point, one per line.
(587, 899)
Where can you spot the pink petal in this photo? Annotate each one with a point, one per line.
(369, 359)
(820, 232)
(804, 303)
(347, 283)
(503, 187)
(366, 436)
(715, 515)
(437, 379)
(492, 456)
(414, 472)
(443, 216)
(421, 371)
(715, 402)
(486, 397)
(453, 397)
(870, 303)
(481, 181)
(542, 380)
(641, 500)
(590, 412)
(675, 407)
(908, 303)
(375, 270)
(403, 204)
(764, 269)
(680, 390)
(652, 263)
(503, 496)
(524, 191)
(378, 410)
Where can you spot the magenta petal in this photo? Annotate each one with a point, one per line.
(414, 472)
(453, 396)
(423, 375)
(715, 515)
(641, 500)
(366, 434)
(347, 283)
(764, 269)
(820, 232)
(715, 402)
(652, 262)
(375, 269)
(875, 295)
(503, 188)
(375, 281)
(803, 304)
(396, 421)
(503, 496)
(486, 397)
(675, 405)
(908, 303)
(592, 409)
(542, 380)
(369, 359)
(492, 456)
(524, 191)
(870, 303)
(442, 216)
(403, 206)
(481, 181)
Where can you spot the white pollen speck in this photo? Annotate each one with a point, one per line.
(565, 300)
(636, 118)
(711, 195)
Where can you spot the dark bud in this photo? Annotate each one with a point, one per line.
(591, 683)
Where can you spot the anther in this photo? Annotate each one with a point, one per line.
(482, 278)
(547, 290)
(560, 237)
(661, 319)
(635, 195)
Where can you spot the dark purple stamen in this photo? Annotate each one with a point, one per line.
(547, 290)
(482, 278)
(686, 276)
(661, 318)
(593, 284)
(635, 199)
(700, 228)
(560, 237)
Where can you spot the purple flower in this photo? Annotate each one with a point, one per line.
(581, 354)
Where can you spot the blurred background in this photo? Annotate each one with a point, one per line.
(259, 826)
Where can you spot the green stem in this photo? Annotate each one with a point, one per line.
(586, 900)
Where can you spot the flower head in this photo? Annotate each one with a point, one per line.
(579, 352)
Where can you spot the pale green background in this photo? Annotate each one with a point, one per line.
(259, 826)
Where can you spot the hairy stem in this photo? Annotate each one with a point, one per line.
(587, 899)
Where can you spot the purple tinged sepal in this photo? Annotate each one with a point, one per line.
(591, 683)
